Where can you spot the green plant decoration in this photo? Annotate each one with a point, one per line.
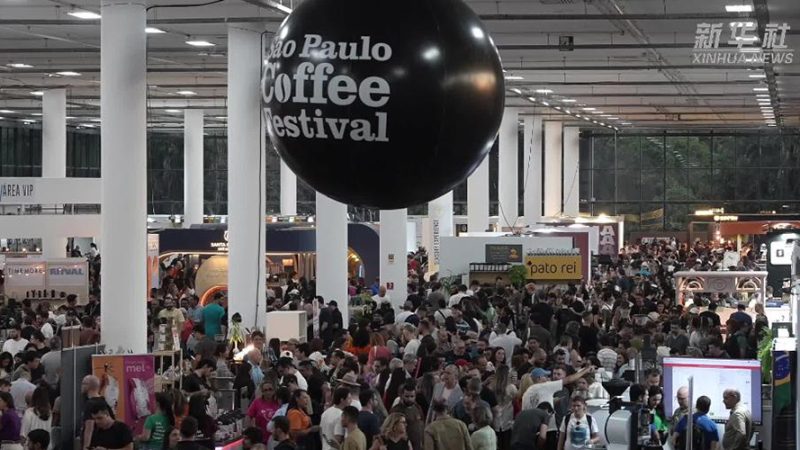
(518, 274)
(765, 355)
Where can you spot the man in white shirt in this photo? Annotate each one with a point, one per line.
(543, 389)
(286, 367)
(330, 424)
(15, 343)
(20, 388)
(410, 336)
(44, 325)
(381, 296)
(408, 311)
(506, 341)
(455, 299)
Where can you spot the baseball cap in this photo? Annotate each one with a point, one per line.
(539, 372)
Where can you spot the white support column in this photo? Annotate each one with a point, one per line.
(123, 142)
(192, 167)
(478, 198)
(246, 249)
(54, 156)
(393, 266)
(507, 189)
(552, 168)
(571, 187)
(55, 247)
(331, 233)
(532, 190)
(288, 191)
(440, 212)
(54, 134)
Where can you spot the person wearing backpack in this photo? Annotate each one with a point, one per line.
(578, 428)
(704, 431)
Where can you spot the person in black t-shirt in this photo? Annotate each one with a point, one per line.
(197, 381)
(188, 431)
(109, 433)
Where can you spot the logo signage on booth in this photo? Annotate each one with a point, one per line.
(554, 267)
(409, 91)
(503, 253)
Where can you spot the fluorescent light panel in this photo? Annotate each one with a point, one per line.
(544, 91)
(760, 89)
(200, 43)
(738, 8)
(154, 30)
(86, 15)
(68, 73)
(19, 65)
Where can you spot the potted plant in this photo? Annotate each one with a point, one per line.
(518, 274)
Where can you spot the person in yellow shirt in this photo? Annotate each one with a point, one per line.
(355, 440)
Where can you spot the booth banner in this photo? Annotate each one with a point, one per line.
(153, 281)
(554, 267)
(609, 239)
(127, 384)
(67, 274)
(21, 273)
(503, 253)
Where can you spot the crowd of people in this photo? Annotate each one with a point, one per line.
(478, 366)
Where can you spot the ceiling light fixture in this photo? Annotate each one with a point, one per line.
(86, 15)
(544, 91)
(172, 111)
(762, 95)
(200, 43)
(20, 65)
(68, 73)
(760, 89)
(186, 93)
(37, 93)
(7, 111)
(545, 103)
(757, 75)
(588, 109)
(738, 8)
(567, 100)
(514, 77)
(613, 118)
(154, 30)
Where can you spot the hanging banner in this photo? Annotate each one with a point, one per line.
(126, 383)
(23, 273)
(153, 281)
(554, 267)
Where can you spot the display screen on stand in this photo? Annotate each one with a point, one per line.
(711, 378)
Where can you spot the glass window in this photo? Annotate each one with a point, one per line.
(629, 187)
(604, 185)
(677, 186)
(652, 151)
(724, 184)
(628, 152)
(603, 152)
(676, 151)
(747, 151)
(652, 185)
(771, 150)
(791, 150)
(724, 152)
(699, 151)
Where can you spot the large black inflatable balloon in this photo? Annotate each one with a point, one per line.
(382, 103)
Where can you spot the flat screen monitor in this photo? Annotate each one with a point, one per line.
(711, 378)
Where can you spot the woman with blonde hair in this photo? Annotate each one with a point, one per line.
(393, 434)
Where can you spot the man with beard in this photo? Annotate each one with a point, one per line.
(415, 419)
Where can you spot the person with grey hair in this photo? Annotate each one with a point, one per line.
(51, 362)
(483, 438)
(739, 427)
(448, 389)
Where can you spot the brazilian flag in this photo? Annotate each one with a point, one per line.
(782, 381)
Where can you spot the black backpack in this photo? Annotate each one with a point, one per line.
(698, 439)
